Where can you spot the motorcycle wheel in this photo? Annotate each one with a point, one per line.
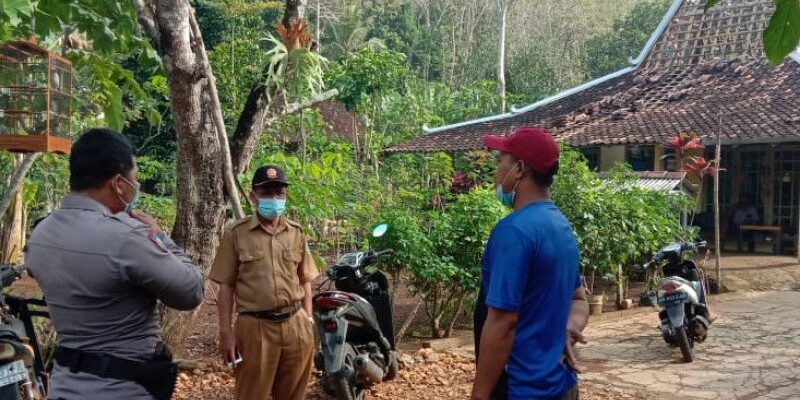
(345, 389)
(686, 345)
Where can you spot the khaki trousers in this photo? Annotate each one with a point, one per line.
(276, 357)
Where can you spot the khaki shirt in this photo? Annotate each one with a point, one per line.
(267, 271)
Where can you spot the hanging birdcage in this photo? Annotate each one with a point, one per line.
(35, 99)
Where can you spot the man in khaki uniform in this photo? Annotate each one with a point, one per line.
(264, 262)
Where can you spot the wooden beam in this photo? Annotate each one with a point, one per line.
(717, 244)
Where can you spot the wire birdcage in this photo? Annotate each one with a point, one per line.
(35, 99)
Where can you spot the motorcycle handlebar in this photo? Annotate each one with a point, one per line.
(10, 273)
(387, 252)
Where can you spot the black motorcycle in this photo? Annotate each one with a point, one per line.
(22, 369)
(684, 314)
(355, 326)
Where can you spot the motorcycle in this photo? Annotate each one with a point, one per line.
(22, 369)
(355, 326)
(681, 296)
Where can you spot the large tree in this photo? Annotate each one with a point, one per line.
(204, 159)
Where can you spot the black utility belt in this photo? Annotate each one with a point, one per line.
(275, 316)
(157, 376)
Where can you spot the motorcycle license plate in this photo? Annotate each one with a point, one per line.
(13, 373)
(673, 298)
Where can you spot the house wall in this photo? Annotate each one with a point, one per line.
(659, 162)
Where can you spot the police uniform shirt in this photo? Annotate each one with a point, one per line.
(101, 275)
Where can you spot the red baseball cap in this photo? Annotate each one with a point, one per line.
(529, 144)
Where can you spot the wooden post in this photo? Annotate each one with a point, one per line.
(47, 89)
(717, 244)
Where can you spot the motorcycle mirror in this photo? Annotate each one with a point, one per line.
(380, 230)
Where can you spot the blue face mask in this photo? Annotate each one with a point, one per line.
(271, 208)
(506, 199)
(129, 206)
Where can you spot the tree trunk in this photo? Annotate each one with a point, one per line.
(620, 286)
(250, 127)
(200, 209)
(459, 307)
(295, 9)
(172, 26)
(318, 27)
(501, 57)
(407, 323)
(17, 179)
(12, 235)
(259, 112)
(717, 244)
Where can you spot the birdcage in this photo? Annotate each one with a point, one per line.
(35, 99)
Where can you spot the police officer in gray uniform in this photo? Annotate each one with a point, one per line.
(102, 266)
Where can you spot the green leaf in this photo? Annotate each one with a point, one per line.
(13, 9)
(711, 3)
(153, 117)
(113, 111)
(783, 32)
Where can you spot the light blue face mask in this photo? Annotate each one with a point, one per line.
(271, 208)
(129, 206)
(506, 199)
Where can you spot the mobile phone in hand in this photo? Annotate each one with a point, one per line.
(237, 360)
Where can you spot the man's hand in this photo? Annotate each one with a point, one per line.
(573, 336)
(146, 219)
(578, 317)
(227, 345)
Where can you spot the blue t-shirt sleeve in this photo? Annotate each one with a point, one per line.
(509, 261)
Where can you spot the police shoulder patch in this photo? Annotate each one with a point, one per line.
(159, 242)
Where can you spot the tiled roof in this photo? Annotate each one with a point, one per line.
(703, 68)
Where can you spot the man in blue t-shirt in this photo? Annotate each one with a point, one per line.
(535, 305)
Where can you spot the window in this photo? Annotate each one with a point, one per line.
(592, 155)
(641, 158)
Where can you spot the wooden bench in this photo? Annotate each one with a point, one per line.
(775, 231)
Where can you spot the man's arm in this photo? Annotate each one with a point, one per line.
(154, 262)
(227, 340)
(497, 338)
(578, 318)
(224, 271)
(307, 272)
(579, 312)
(307, 297)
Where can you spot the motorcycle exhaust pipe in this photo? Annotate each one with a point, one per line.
(367, 368)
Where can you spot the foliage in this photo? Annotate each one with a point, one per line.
(609, 52)
(296, 72)
(99, 37)
(617, 224)
(441, 249)
(368, 73)
(783, 32)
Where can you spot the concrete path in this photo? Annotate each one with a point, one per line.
(752, 352)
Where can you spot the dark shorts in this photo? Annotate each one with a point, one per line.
(500, 393)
